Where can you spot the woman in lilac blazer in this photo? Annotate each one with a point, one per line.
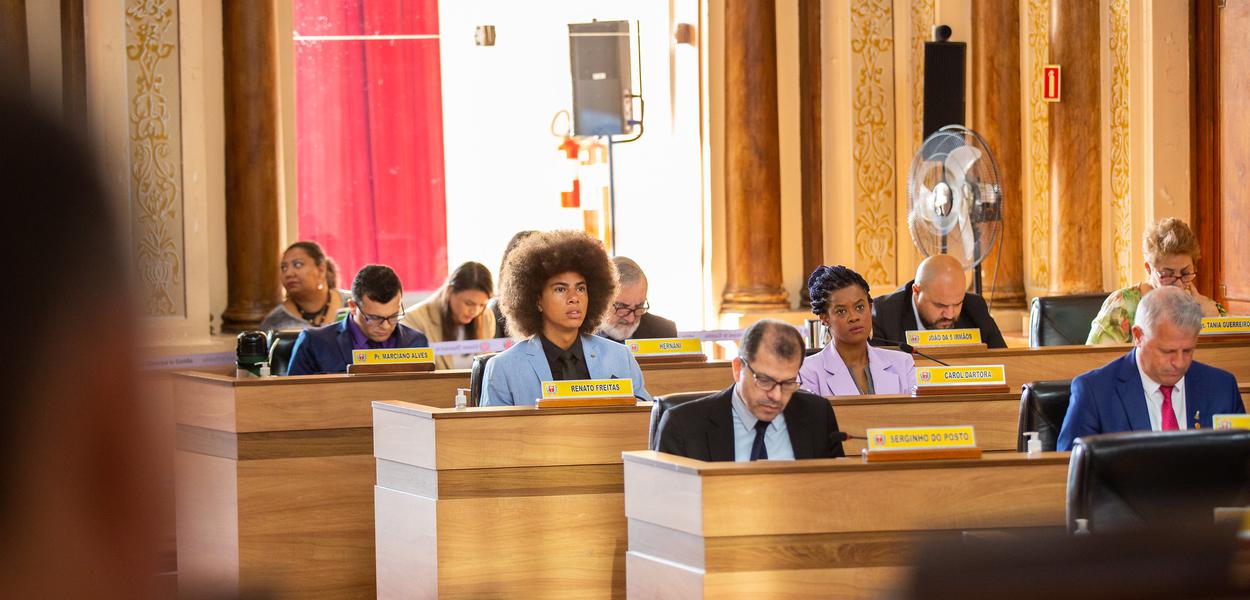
(849, 365)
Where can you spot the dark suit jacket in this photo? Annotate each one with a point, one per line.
(703, 429)
(650, 326)
(329, 349)
(892, 316)
(1111, 399)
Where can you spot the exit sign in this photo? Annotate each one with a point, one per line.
(1050, 83)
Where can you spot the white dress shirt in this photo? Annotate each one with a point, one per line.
(1154, 399)
(776, 436)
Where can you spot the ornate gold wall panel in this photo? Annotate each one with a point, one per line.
(1037, 26)
(1121, 149)
(872, 67)
(921, 29)
(155, 142)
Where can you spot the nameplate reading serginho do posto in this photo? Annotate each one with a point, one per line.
(667, 350)
(391, 360)
(587, 392)
(1225, 422)
(921, 443)
(961, 379)
(1225, 326)
(942, 338)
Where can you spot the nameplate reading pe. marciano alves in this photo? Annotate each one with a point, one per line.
(392, 356)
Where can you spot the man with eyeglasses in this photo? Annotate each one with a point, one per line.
(763, 415)
(376, 308)
(630, 317)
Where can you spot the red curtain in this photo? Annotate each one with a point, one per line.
(369, 136)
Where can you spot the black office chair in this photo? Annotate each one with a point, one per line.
(1157, 480)
(281, 345)
(475, 377)
(1062, 320)
(665, 402)
(1043, 405)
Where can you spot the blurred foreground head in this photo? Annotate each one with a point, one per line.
(75, 460)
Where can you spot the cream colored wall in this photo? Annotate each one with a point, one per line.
(712, 103)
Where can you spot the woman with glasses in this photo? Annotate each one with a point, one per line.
(457, 311)
(555, 290)
(376, 309)
(1170, 248)
(849, 365)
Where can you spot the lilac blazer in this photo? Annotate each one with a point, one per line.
(825, 374)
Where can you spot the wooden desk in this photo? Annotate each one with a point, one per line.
(502, 502)
(995, 416)
(1065, 362)
(831, 528)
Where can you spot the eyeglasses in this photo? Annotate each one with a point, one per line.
(374, 320)
(1169, 277)
(767, 383)
(624, 310)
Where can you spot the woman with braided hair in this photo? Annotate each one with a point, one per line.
(849, 365)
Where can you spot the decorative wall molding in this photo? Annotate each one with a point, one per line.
(922, 17)
(1037, 27)
(1121, 148)
(873, 152)
(153, 93)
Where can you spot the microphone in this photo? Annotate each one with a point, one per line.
(905, 347)
(842, 436)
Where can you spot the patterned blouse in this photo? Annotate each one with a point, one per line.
(1114, 323)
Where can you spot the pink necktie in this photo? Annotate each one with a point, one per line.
(1169, 415)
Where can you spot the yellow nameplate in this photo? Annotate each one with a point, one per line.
(1225, 325)
(1230, 421)
(588, 388)
(944, 337)
(970, 375)
(921, 438)
(390, 356)
(665, 346)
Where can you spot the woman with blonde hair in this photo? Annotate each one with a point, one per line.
(457, 311)
(1171, 250)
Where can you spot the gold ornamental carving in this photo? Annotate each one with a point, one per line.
(155, 154)
(1039, 145)
(1121, 199)
(921, 26)
(872, 47)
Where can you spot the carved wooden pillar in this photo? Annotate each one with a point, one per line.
(809, 141)
(14, 55)
(253, 181)
(752, 158)
(996, 115)
(1075, 164)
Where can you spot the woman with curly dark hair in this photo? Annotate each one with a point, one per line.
(555, 289)
(848, 365)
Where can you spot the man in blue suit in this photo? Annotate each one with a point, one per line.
(376, 307)
(1157, 386)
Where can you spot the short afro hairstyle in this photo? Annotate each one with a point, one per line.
(545, 254)
(827, 280)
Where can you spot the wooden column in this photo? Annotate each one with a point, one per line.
(809, 141)
(752, 159)
(996, 116)
(253, 180)
(14, 54)
(1075, 163)
(73, 65)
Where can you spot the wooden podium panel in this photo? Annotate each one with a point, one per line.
(1065, 362)
(994, 416)
(829, 528)
(502, 501)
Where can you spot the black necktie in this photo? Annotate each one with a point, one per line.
(758, 450)
(568, 363)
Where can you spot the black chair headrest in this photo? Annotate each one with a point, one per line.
(1062, 320)
(281, 346)
(665, 402)
(1043, 405)
(475, 377)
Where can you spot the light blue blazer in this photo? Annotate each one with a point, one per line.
(515, 376)
(824, 373)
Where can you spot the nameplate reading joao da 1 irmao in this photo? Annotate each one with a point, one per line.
(940, 338)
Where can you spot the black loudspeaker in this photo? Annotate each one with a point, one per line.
(599, 61)
(943, 85)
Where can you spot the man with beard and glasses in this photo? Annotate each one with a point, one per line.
(630, 316)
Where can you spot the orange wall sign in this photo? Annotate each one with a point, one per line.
(1050, 83)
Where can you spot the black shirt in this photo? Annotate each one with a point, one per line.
(558, 358)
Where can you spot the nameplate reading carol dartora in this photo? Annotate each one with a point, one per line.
(936, 338)
(588, 388)
(975, 375)
(1225, 326)
(392, 356)
(665, 346)
(1225, 422)
(921, 438)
